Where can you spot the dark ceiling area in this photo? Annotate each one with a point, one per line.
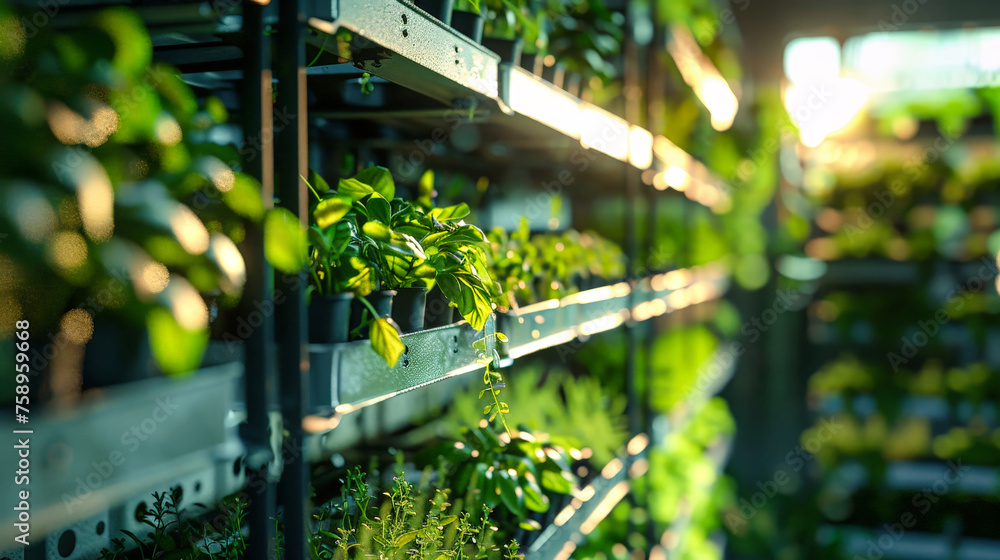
(766, 25)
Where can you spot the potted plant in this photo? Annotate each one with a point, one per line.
(454, 258)
(468, 19)
(440, 9)
(351, 248)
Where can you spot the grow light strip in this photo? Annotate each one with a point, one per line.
(544, 103)
(604, 132)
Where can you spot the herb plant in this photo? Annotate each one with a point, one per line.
(364, 238)
(517, 473)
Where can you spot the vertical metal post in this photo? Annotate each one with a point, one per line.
(652, 200)
(259, 375)
(293, 357)
(631, 177)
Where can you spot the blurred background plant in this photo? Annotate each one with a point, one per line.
(122, 194)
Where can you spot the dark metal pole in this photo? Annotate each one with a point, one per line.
(258, 348)
(293, 357)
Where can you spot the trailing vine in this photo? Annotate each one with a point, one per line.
(490, 359)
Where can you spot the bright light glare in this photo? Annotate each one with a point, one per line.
(533, 98)
(812, 59)
(676, 177)
(721, 102)
(189, 230)
(640, 147)
(703, 77)
(820, 109)
(229, 259)
(604, 132)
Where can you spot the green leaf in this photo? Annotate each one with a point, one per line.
(511, 498)
(318, 183)
(385, 341)
(405, 245)
(339, 236)
(469, 294)
(244, 198)
(501, 337)
(331, 209)
(378, 208)
(362, 282)
(450, 213)
(285, 243)
(556, 482)
(530, 525)
(354, 189)
(176, 349)
(534, 499)
(318, 241)
(425, 189)
(405, 538)
(447, 520)
(379, 179)
(377, 231)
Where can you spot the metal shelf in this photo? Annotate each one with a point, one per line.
(404, 45)
(593, 503)
(554, 322)
(347, 377)
(90, 459)
(350, 376)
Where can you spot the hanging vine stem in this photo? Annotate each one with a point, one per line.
(492, 379)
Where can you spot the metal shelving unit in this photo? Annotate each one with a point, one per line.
(93, 459)
(291, 394)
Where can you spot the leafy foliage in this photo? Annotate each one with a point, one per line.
(363, 239)
(518, 472)
(532, 268)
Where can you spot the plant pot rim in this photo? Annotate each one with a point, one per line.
(414, 288)
(337, 295)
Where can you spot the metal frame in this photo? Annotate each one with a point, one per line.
(281, 392)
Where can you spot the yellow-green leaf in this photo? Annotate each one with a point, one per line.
(244, 198)
(379, 179)
(354, 189)
(331, 209)
(405, 538)
(450, 213)
(285, 243)
(385, 341)
(377, 231)
(318, 183)
(177, 350)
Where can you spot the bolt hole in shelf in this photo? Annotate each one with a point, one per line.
(197, 486)
(404, 19)
(237, 466)
(406, 33)
(67, 543)
(100, 527)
